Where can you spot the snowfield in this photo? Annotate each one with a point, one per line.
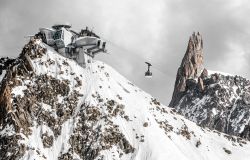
(154, 131)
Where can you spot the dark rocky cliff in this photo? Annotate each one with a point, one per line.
(217, 101)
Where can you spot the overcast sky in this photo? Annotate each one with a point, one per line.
(141, 30)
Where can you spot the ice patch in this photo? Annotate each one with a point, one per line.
(19, 90)
(7, 131)
(214, 111)
(2, 75)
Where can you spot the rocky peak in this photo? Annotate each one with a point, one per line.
(215, 100)
(192, 63)
(190, 68)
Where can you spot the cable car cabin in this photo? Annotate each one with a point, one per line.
(48, 36)
(63, 37)
(148, 73)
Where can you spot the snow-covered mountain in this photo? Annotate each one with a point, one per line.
(5, 62)
(52, 108)
(211, 99)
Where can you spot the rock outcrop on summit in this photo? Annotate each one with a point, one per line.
(211, 99)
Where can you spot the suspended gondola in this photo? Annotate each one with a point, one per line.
(148, 73)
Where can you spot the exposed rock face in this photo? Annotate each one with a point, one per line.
(16, 113)
(223, 104)
(52, 108)
(5, 64)
(216, 101)
(48, 103)
(191, 67)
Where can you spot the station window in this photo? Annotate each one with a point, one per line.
(58, 34)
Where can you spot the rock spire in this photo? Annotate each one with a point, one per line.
(191, 67)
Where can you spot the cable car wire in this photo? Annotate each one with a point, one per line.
(154, 66)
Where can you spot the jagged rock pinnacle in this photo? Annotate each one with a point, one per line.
(192, 63)
(191, 66)
(215, 100)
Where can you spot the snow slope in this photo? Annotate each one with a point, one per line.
(150, 130)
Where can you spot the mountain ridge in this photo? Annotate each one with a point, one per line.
(215, 100)
(52, 108)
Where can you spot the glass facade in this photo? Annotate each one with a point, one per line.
(58, 35)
